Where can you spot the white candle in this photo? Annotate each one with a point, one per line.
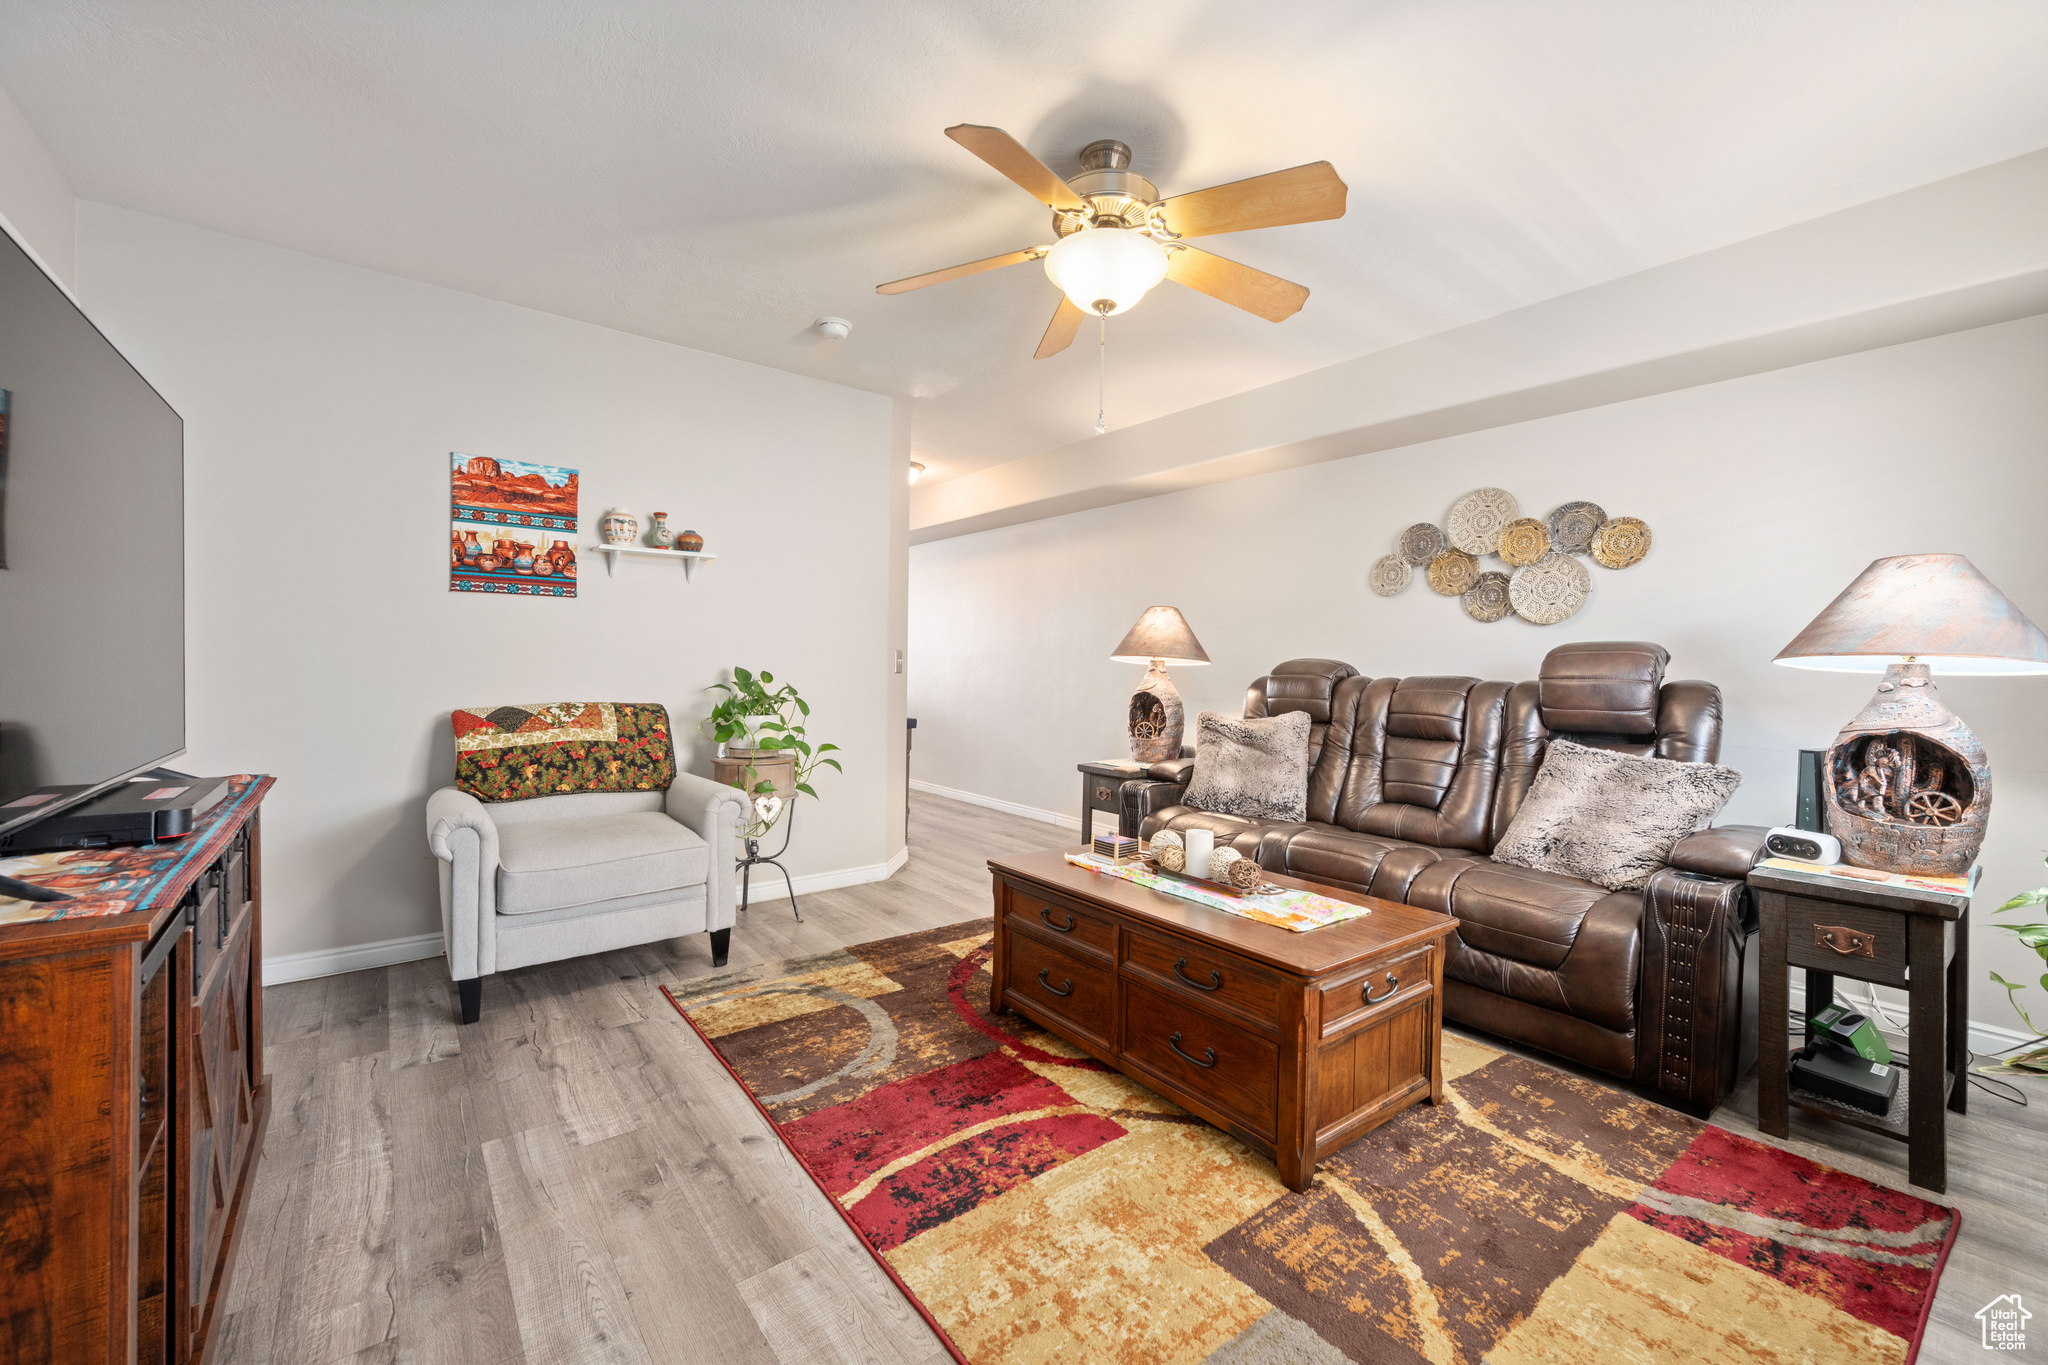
(1200, 843)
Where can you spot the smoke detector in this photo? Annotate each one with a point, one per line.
(834, 328)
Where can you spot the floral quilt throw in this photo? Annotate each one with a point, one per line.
(515, 753)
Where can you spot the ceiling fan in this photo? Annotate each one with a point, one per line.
(1117, 238)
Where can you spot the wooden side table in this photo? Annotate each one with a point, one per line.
(1102, 780)
(1886, 935)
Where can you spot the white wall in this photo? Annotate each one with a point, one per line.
(1766, 495)
(36, 202)
(321, 402)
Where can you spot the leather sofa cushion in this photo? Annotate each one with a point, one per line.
(1603, 687)
(554, 864)
(1517, 913)
(1596, 981)
(1364, 863)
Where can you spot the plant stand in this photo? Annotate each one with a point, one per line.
(755, 859)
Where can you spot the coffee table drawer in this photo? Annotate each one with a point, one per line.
(1077, 928)
(1829, 936)
(1233, 1070)
(1382, 985)
(1046, 978)
(1202, 974)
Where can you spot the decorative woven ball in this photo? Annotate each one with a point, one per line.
(1523, 541)
(1245, 874)
(1220, 861)
(1172, 857)
(1167, 838)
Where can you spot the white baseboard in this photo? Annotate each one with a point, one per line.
(1072, 822)
(356, 958)
(1985, 1039)
(392, 951)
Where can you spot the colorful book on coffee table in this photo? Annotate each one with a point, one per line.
(1299, 911)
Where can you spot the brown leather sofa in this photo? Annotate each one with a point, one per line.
(1411, 782)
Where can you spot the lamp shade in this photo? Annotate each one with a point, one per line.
(1113, 266)
(1161, 633)
(1932, 609)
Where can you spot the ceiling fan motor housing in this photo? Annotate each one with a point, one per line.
(1118, 196)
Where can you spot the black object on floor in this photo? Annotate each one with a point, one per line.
(1838, 1073)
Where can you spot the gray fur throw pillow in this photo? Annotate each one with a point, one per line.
(1254, 768)
(1610, 818)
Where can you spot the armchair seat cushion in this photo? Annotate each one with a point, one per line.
(556, 864)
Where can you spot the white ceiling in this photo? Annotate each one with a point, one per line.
(720, 176)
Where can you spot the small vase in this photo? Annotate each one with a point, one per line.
(471, 551)
(689, 540)
(543, 567)
(658, 534)
(619, 527)
(487, 562)
(560, 553)
(522, 559)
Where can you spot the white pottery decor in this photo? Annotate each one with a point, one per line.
(658, 534)
(618, 527)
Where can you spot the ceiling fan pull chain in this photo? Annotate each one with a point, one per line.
(1102, 379)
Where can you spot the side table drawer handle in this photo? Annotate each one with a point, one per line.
(1045, 913)
(1393, 984)
(1046, 982)
(1214, 983)
(1209, 1053)
(1844, 940)
(1102, 793)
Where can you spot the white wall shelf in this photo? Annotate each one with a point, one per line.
(611, 555)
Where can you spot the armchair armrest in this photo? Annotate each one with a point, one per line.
(1142, 798)
(716, 813)
(461, 833)
(1728, 851)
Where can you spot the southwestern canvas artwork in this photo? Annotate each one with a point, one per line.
(513, 528)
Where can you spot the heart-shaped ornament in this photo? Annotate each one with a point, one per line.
(766, 808)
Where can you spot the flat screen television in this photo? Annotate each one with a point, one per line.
(92, 555)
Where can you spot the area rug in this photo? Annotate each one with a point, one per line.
(1039, 1207)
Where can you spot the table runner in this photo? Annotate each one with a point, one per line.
(1298, 911)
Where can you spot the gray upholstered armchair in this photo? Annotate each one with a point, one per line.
(539, 879)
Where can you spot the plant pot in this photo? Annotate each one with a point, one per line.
(769, 765)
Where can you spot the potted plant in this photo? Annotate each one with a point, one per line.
(2035, 936)
(766, 750)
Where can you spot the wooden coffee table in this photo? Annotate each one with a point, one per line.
(1293, 1043)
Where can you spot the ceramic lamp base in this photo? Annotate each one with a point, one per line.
(1156, 719)
(1908, 787)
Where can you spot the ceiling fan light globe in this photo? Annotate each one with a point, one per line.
(1116, 266)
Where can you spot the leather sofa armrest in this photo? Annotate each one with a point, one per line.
(1727, 851)
(1696, 1009)
(1173, 770)
(1141, 799)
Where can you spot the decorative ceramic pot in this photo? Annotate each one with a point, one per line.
(561, 554)
(522, 559)
(487, 562)
(689, 540)
(569, 569)
(470, 549)
(618, 527)
(543, 567)
(658, 534)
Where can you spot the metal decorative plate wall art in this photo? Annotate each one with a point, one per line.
(1620, 542)
(1572, 525)
(1550, 590)
(1390, 575)
(1487, 600)
(1421, 543)
(1453, 572)
(1523, 541)
(1478, 518)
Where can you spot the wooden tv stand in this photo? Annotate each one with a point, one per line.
(1295, 1043)
(134, 1100)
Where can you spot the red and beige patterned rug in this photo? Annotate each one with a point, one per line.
(1040, 1207)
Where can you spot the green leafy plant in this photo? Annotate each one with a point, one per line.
(765, 717)
(2035, 936)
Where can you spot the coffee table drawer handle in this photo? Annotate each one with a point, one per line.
(1046, 982)
(1215, 982)
(1174, 1043)
(1844, 940)
(1393, 984)
(1045, 913)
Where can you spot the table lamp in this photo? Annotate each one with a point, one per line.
(1907, 785)
(1156, 721)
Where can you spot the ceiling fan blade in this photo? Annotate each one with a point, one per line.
(954, 272)
(1059, 333)
(1271, 297)
(1305, 194)
(1008, 155)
